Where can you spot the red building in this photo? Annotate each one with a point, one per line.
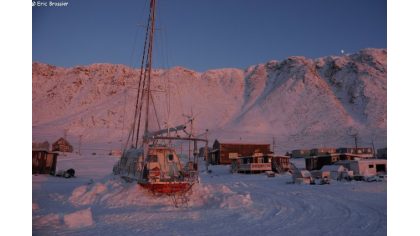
(222, 151)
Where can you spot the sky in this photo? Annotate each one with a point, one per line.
(205, 34)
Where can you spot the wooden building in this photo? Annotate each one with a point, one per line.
(317, 162)
(311, 163)
(43, 162)
(62, 145)
(221, 151)
(256, 163)
(280, 163)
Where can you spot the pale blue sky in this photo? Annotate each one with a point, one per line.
(206, 34)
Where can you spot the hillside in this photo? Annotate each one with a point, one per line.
(301, 102)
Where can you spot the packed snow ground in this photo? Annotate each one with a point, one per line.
(98, 203)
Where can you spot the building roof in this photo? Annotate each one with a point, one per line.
(333, 168)
(62, 140)
(226, 142)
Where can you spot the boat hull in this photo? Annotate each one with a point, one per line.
(168, 188)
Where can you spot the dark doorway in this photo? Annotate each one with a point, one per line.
(381, 168)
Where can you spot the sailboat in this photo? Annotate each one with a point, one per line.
(149, 159)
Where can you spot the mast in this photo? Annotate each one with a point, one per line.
(144, 86)
(149, 70)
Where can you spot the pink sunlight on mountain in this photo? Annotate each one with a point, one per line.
(300, 102)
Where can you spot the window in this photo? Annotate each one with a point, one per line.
(370, 166)
(170, 157)
(152, 158)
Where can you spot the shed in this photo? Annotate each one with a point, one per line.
(43, 162)
(334, 171)
(368, 167)
(302, 176)
(62, 145)
(317, 162)
(281, 163)
(222, 150)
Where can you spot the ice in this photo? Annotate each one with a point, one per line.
(97, 202)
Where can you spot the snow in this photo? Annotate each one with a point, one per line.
(303, 103)
(98, 203)
(79, 219)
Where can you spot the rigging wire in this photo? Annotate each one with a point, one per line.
(141, 81)
(132, 66)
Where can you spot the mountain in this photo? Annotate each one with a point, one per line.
(301, 102)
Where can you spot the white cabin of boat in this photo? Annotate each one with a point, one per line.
(162, 165)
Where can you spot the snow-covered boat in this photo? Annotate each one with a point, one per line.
(151, 160)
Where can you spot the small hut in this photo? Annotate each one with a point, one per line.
(62, 145)
(281, 163)
(302, 177)
(367, 167)
(335, 172)
(43, 162)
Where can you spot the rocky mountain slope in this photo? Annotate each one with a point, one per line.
(300, 102)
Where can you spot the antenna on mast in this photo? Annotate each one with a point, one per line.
(355, 134)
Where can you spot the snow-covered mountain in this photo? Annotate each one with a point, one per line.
(301, 102)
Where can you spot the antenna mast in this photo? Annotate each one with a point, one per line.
(149, 70)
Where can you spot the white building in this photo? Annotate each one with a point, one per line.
(368, 167)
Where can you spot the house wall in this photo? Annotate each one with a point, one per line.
(222, 151)
(283, 162)
(368, 167)
(61, 145)
(43, 162)
(311, 163)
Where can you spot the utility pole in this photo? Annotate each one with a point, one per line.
(355, 140)
(274, 143)
(206, 151)
(353, 133)
(80, 144)
(374, 150)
